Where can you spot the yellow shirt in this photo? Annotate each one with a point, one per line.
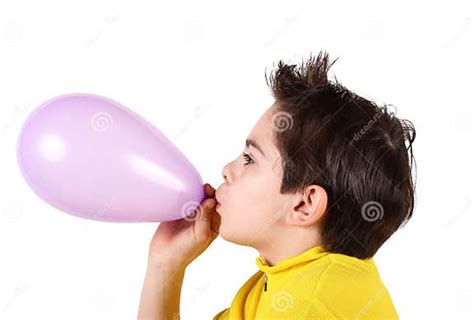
(313, 285)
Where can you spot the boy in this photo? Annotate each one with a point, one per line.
(324, 180)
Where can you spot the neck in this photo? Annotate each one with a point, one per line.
(275, 250)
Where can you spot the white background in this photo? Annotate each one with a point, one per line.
(195, 69)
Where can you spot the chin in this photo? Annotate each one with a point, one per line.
(232, 237)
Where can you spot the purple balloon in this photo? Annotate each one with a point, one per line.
(92, 157)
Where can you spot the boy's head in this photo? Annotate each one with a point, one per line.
(322, 166)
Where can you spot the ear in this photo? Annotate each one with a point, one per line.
(309, 207)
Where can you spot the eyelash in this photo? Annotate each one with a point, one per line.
(247, 159)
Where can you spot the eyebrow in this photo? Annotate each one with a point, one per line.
(253, 143)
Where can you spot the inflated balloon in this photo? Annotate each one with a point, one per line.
(92, 157)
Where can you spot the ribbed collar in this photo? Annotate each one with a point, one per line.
(308, 255)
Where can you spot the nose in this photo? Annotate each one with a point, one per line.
(225, 173)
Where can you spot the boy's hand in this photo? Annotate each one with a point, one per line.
(178, 243)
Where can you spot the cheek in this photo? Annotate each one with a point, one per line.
(248, 210)
(248, 195)
(251, 192)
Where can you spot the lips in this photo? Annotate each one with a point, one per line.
(217, 199)
(218, 202)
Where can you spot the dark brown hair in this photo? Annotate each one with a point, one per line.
(360, 153)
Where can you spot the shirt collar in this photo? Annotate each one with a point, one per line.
(308, 255)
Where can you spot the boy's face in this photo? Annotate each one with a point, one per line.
(250, 201)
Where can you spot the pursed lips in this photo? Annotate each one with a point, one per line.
(216, 197)
(217, 200)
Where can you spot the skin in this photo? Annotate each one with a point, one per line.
(251, 212)
(254, 213)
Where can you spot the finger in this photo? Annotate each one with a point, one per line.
(203, 221)
(206, 189)
(208, 206)
(215, 222)
(209, 190)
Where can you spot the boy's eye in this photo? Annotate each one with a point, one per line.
(247, 158)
